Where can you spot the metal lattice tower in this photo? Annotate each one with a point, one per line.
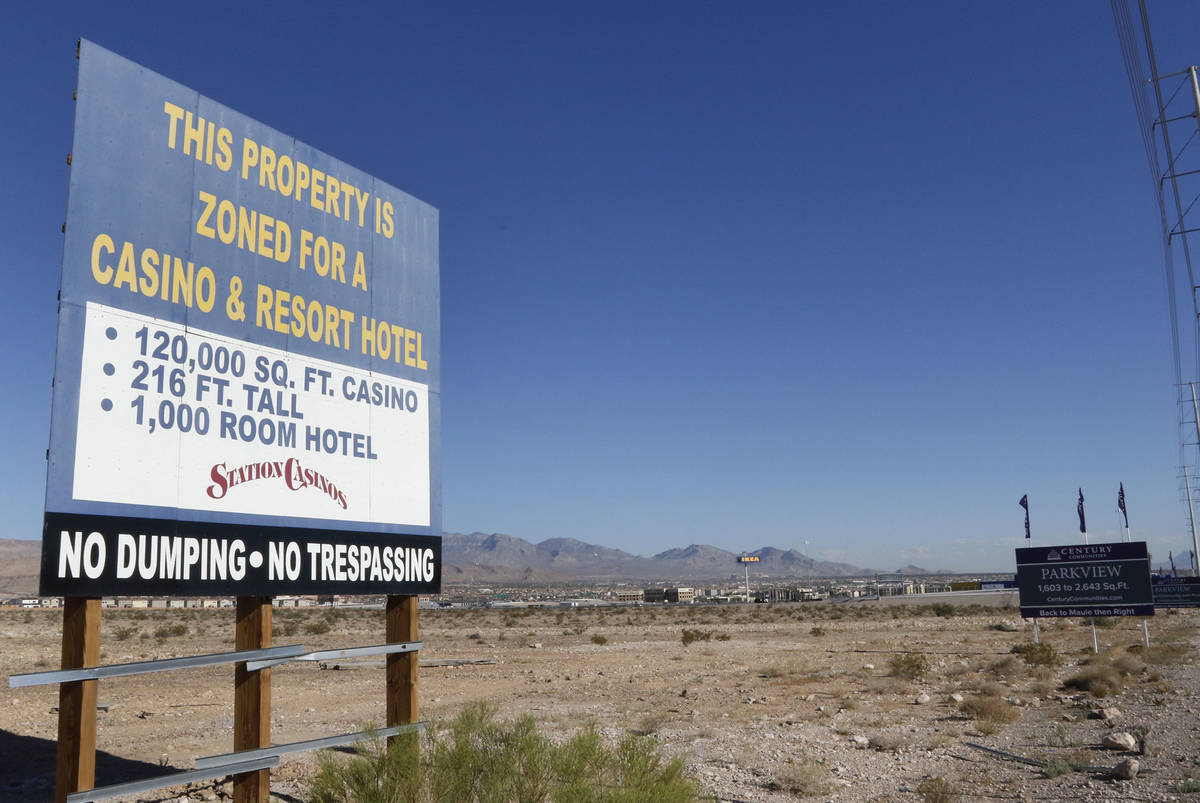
(1168, 117)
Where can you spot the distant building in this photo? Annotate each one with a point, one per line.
(677, 594)
(681, 594)
(630, 595)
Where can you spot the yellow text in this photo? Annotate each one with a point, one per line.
(283, 312)
(153, 275)
(201, 138)
(254, 231)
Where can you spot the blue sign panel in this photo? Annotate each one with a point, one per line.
(248, 343)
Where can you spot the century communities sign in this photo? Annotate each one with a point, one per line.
(247, 378)
(1085, 580)
(1177, 592)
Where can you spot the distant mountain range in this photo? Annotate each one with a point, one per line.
(495, 557)
(20, 566)
(499, 558)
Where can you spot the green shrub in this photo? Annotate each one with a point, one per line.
(1038, 654)
(1078, 761)
(317, 628)
(909, 665)
(689, 636)
(124, 633)
(817, 631)
(479, 760)
(1187, 786)
(167, 631)
(599, 639)
(1057, 768)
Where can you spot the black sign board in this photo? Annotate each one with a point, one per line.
(1085, 580)
(93, 556)
(1177, 592)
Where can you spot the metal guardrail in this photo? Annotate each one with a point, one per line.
(171, 779)
(266, 654)
(310, 744)
(348, 652)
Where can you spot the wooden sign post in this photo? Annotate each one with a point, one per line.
(402, 706)
(252, 697)
(77, 699)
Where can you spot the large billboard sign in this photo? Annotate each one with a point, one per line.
(1085, 580)
(1176, 592)
(247, 378)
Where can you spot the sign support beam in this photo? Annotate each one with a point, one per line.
(77, 699)
(252, 698)
(402, 626)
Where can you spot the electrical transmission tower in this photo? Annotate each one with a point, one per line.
(1167, 106)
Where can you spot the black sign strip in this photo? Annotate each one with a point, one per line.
(92, 556)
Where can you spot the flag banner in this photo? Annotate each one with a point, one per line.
(1121, 504)
(1079, 509)
(1025, 504)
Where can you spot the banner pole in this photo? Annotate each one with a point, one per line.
(1096, 645)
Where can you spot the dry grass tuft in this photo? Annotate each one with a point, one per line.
(989, 712)
(888, 742)
(1008, 665)
(1161, 654)
(1097, 680)
(1128, 664)
(803, 778)
(937, 790)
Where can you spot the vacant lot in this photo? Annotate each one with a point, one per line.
(764, 702)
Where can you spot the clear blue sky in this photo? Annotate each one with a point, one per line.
(745, 274)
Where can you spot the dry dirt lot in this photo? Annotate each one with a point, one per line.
(767, 702)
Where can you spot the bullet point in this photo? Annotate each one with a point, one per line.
(109, 369)
(106, 404)
(110, 333)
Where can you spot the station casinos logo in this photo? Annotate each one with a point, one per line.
(294, 476)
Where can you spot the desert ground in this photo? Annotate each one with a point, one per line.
(851, 701)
